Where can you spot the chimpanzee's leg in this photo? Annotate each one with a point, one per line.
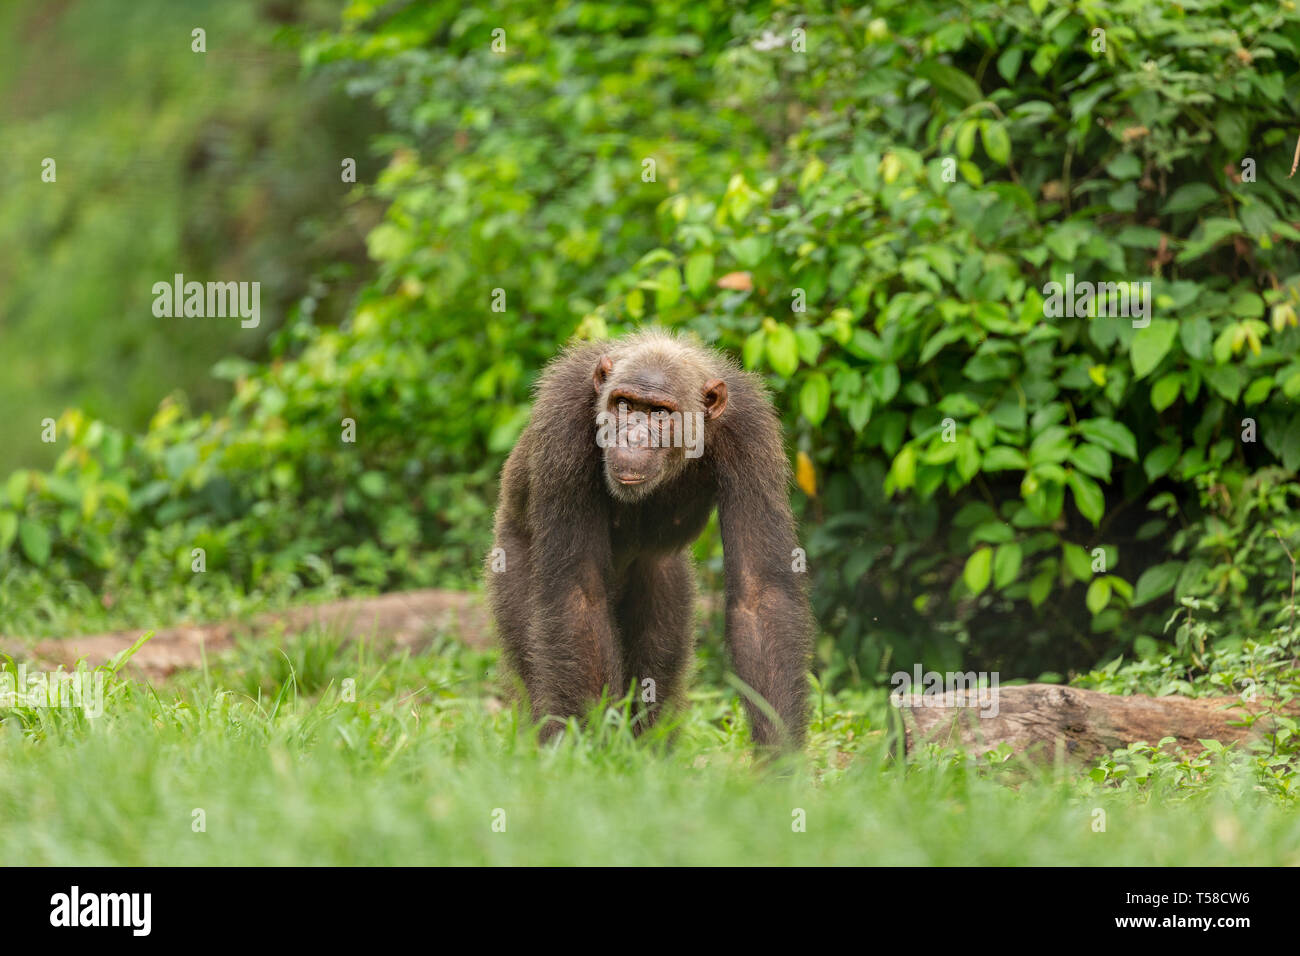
(655, 615)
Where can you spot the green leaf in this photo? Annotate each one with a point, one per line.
(699, 270)
(884, 381)
(1003, 458)
(1040, 587)
(1052, 444)
(968, 457)
(1150, 345)
(1259, 390)
(1248, 305)
(1098, 595)
(987, 532)
(748, 251)
(860, 413)
(1006, 564)
(1230, 127)
(1110, 435)
(1224, 379)
(35, 541)
(1165, 391)
(1045, 55)
(949, 78)
(996, 141)
(940, 452)
(1121, 587)
(1092, 460)
(966, 138)
(1009, 63)
(865, 344)
(1077, 561)
(1190, 197)
(810, 344)
(668, 288)
(1290, 445)
(1196, 335)
(938, 341)
(635, 303)
(815, 398)
(783, 350)
(1088, 496)
(978, 567)
(1156, 581)
(1160, 461)
(1124, 166)
(1208, 234)
(902, 473)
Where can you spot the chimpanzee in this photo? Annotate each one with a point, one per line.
(631, 445)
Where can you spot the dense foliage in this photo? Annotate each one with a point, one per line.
(866, 205)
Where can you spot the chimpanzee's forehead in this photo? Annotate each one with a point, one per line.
(644, 382)
(645, 376)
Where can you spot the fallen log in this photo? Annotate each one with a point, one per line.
(403, 619)
(1036, 719)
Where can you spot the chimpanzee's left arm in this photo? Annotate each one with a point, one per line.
(769, 624)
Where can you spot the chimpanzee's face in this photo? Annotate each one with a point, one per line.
(642, 455)
(649, 425)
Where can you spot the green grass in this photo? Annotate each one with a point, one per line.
(286, 771)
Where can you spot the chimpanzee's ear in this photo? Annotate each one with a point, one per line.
(715, 397)
(603, 368)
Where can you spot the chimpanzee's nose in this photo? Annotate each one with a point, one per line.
(638, 437)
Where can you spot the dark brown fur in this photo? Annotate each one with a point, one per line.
(597, 590)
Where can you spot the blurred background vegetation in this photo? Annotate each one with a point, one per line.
(770, 177)
(167, 161)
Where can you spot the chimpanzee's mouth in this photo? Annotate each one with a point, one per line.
(629, 479)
